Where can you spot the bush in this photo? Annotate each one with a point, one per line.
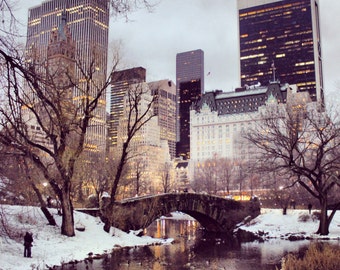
(316, 215)
(92, 201)
(304, 218)
(319, 256)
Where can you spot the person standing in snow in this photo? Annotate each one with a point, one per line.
(310, 208)
(28, 239)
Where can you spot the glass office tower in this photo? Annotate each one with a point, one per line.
(282, 38)
(88, 23)
(190, 86)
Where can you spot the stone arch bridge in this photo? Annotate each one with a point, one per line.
(214, 213)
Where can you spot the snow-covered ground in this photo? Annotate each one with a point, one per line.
(297, 223)
(51, 248)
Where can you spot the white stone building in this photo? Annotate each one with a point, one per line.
(219, 118)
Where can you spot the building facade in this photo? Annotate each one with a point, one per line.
(219, 122)
(165, 108)
(219, 118)
(190, 86)
(147, 152)
(88, 22)
(120, 83)
(282, 37)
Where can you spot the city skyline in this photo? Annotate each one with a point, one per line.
(169, 30)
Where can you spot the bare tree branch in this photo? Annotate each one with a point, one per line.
(304, 143)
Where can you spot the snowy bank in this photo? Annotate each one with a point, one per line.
(297, 224)
(50, 247)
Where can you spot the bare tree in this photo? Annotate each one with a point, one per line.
(304, 143)
(198, 182)
(92, 174)
(224, 172)
(138, 111)
(208, 176)
(137, 171)
(125, 183)
(61, 121)
(213, 175)
(24, 183)
(240, 175)
(166, 177)
(124, 7)
(136, 117)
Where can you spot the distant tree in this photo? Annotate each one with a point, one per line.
(224, 172)
(208, 175)
(24, 183)
(302, 142)
(282, 192)
(197, 182)
(125, 7)
(213, 175)
(167, 184)
(138, 182)
(240, 175)
(91, 178)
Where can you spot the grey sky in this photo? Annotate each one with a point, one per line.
(152, 39)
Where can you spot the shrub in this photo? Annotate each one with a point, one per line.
(92, 201)
(304, 218)
(316, 215)
(319, 256)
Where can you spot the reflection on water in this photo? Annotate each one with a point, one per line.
(192, 249)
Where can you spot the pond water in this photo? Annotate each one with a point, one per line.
(193, 249)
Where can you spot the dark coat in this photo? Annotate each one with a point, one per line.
(28, 239)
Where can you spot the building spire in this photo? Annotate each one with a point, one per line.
(62, 25)
(61, 42)
(274, 71)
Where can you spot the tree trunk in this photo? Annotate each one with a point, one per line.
(67, 226)
(48, 215)
(324, 224)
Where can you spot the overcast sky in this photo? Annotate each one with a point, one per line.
(152, 39)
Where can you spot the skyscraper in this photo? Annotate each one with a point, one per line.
(280, 39)
(88, 22)
(147, 153)
(190, 86)
(120, 83)
(165, 109)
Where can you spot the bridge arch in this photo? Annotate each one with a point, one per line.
(214, 213)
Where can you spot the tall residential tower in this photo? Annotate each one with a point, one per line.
(280, 39)
(190, 86)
